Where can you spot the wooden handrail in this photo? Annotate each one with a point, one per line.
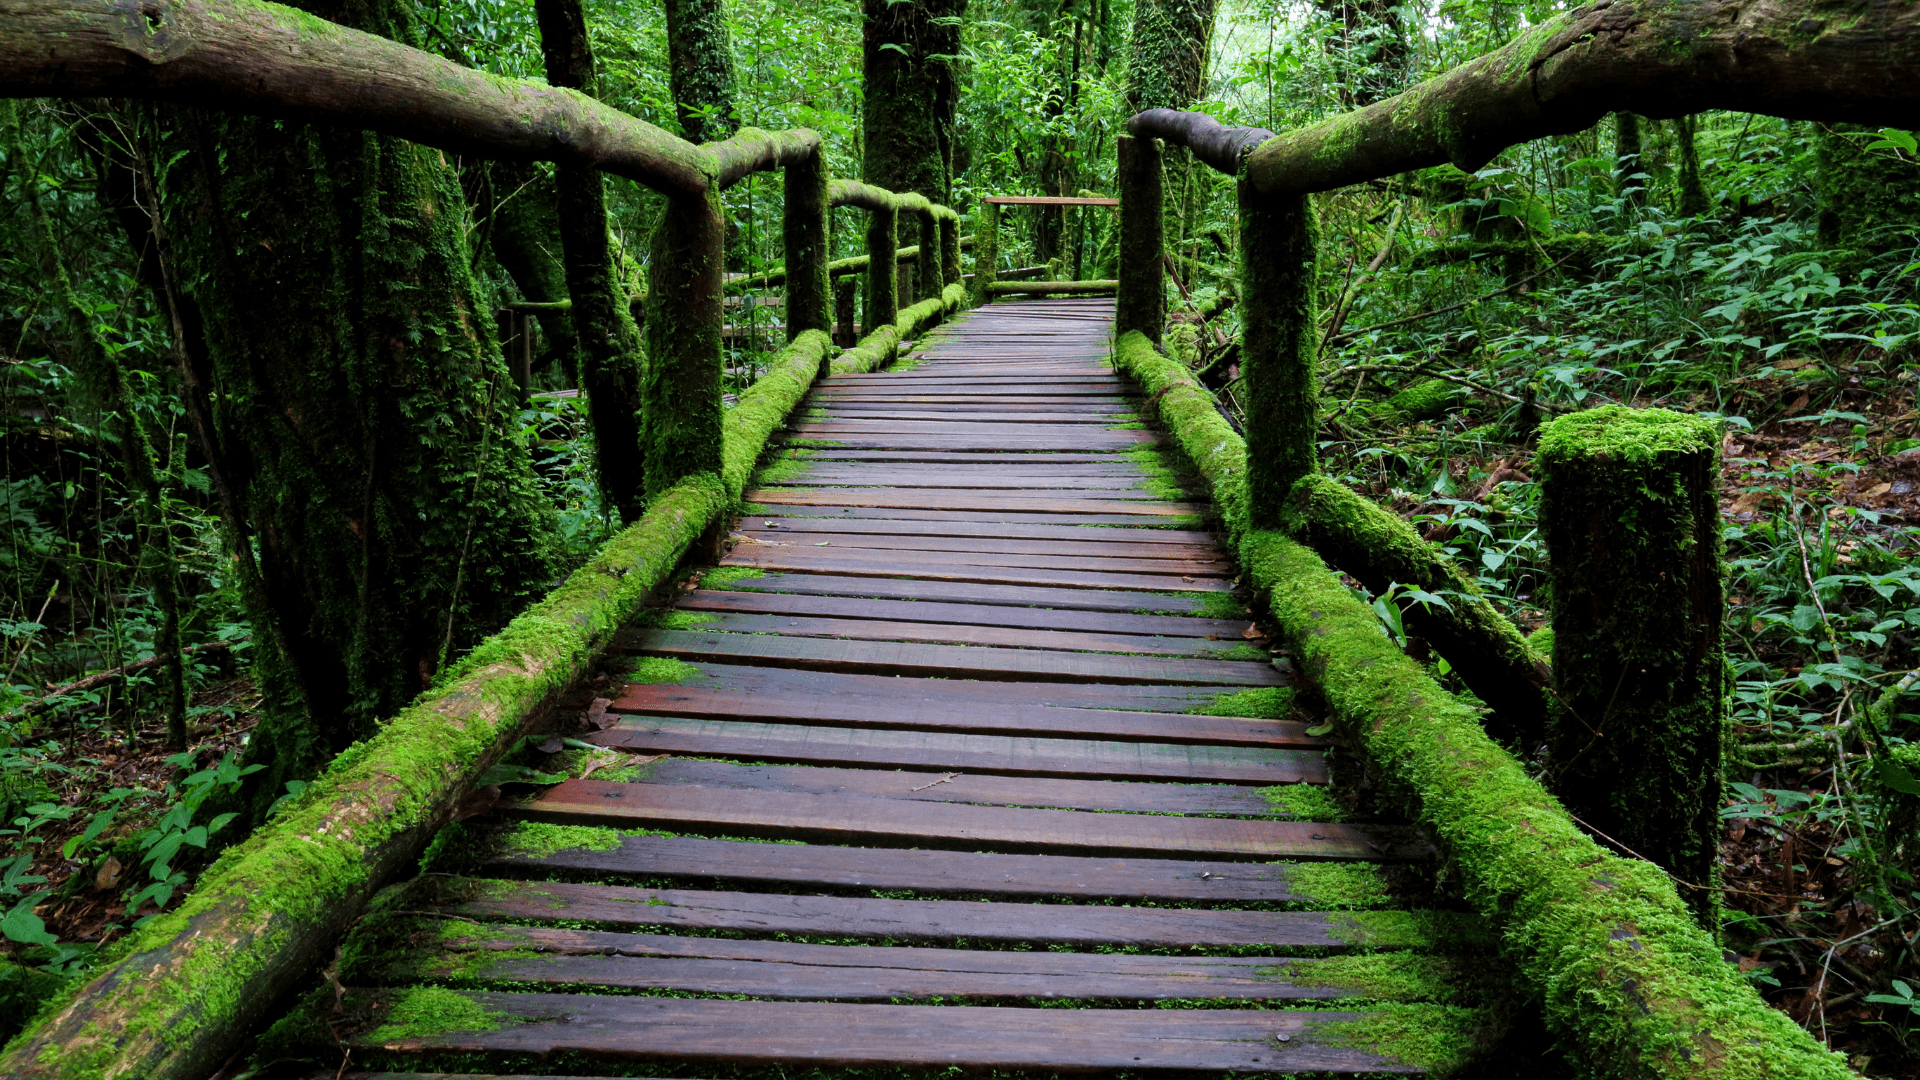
(1046, 200)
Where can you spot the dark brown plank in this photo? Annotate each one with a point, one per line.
(847, 425)
(983, 789)
(881, 417)
(987, 922)
(1121, 485)
(929, 872)
(982, 517)
(788, 970)
(971, 752)
(859, 1036)
(889, 823)
(962, 457)
(754, 550)
(839, 607)
(1102, 440)
(951, 660)
(954, 525)
(1086, 549)
(869, 562)
(963, 634)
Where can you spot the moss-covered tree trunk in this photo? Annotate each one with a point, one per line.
(1374, 47)
(1633, 538)
(1693, 194)
(611, 362)
(700, 69)
(908, 49)
(1628, 184)
(523, 230)
(362, 410)
(1279, 259)
(1141, 300)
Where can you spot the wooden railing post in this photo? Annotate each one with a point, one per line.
(882, 270)
(681, 408)
(803, 233)
(986, 249)
(846, 309)
(1279, 250)
(949, 248)
(1141, 300)
(1633, 540)
(930, 267)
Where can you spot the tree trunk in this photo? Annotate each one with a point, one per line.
(908, 49)
(1628, 184)
(611, 361)
(1693, 194)
(523, 229)
(1169, 58)
(362, 408)
(700, 69)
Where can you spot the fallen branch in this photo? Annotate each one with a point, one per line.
(102, 678)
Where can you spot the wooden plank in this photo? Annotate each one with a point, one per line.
(1103, 440)
(1138, 502)
(964, 634)
(886, 419)
(960, 714)
(887, 823)
(843, 454)
(986, 922)
(890, 405)
(985, 789)
(896, 658)
(833, 426)
(973, 592)
(1004, 755)
(978, 517)
(924, 872)
(777, 550)
(1109, 487)
(908, 695)
(765, 1033)
(1047, 200)
(999, 545)
(788, 970)
(966, 614)
(867, 562)
(956, 525)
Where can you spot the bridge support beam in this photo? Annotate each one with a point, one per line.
(1141, 303)
(883, 298)
(986, 249)
(1279, 253)
(803, 235)
(681, 409)
(1633, 538)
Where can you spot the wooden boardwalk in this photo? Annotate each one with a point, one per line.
(968, 696)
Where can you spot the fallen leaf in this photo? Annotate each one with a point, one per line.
(553, 745)
(1188, 580)
(1878, 489)
(596, 715)
(1252, 633)
(109, 875)
(1799, 403)
(477, 802)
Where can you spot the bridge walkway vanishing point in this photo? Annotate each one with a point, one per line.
(960, 668)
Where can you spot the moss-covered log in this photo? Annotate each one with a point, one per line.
(1633, 537)
(752, 150)
(1213, 143)
(1107, 287)
(1378, 549)
(882, 344)
(1627, 980)
(700, 69)
(1279, 263)
(681, 410)
(1798, 59)
(276, 61)
(1141, 298)
(764, 405)
(803, 237)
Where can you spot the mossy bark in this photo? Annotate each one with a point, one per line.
(1279, 261)
(1869, 199)
(700, 69)
(1693, 200)
(1168, 58)
(680, 409)
(364, 411)
(803, 236)
(908, 52)
(927, 267)
(950, 272)
(524, 233)
(883, 276)
(1141, 301)
(986, 249)
(845, 307)
(610, 359)
(1626, 159)
(1633, 538)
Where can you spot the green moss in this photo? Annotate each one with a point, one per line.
(425, 1012)
(1219, 605)
(1438, 1039)
(661, 669)
(1338, 886)
(1240, 651)
(1263, 703)
(672, 618)
(1422, 931)
(765, 405)
(535, 839)
(1303, 802)
(1380, 976)
(1421, 401)
(722, 576)
(1203, 435)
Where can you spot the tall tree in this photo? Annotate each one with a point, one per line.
(611, 362)
(700, 69)
(909, 49)
(360, 409)
(1168, 58)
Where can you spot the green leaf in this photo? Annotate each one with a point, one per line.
(1321, 729)
(1896, 776)
(517, 774)
(23, 926)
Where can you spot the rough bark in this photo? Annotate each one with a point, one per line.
(882, 298)
(681, 412)
(1168, 59)
(1799, 59)
(1626, 159)
(274, 61)
(700, 69)
(611, 363)
(1633, 538)
(1213, 143)
(524, 232)
(1693, 194)
(908, 51)
(986, 249)
(1279, 260)
(1141, 303)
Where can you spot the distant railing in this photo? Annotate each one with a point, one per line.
(987, 284)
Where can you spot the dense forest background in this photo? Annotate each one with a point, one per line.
(1758, 270)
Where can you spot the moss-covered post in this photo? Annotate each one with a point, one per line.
(986, 249)
(1279, 253)
(949, 248)
(845, 293)
(1141, 301)
(882, 270)
(1633, 537)
(928, 267)
(803, 231)
(681, 413)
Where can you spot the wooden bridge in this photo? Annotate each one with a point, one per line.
(989, 702)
